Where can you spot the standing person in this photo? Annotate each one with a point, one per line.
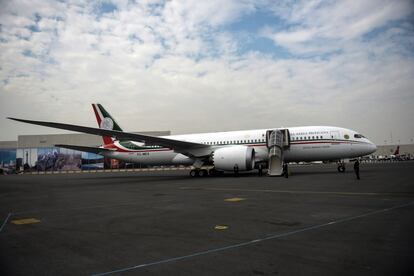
(285, 170)
(260, 170)
(236, 170)
(356, 169)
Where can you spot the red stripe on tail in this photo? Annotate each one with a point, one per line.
(106, 139)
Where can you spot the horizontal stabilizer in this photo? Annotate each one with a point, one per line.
(95, 150)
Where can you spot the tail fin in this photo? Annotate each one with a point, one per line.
(105, 121)
(397, 151)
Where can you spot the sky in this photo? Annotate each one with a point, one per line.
(201, 66)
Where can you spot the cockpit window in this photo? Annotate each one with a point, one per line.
(359, 136)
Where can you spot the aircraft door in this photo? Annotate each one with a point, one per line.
(334, 135)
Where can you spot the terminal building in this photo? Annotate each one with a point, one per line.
(38, 153)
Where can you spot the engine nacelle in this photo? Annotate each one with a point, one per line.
(226, 158)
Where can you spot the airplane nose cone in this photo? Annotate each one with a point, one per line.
(372, 147)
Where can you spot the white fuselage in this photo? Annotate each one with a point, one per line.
(311, 143)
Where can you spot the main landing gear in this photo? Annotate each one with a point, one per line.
(204, 173)
(341, 167)
(199, 172)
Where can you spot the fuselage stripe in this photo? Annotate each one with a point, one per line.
(125, 149)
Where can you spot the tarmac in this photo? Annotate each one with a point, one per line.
(316, 222)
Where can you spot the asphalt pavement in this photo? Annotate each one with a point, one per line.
(316, 222)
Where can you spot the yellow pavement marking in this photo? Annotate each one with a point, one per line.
(234, 199)
(25, 221)
(221, 227)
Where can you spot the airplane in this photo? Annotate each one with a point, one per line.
(392, 157)
(396, 154)
(244, 150)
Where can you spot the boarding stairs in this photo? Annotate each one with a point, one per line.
(277, 140)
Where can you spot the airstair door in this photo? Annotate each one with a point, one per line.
(334, 135)
(275, 144)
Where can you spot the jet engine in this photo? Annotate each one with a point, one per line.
(227, 158)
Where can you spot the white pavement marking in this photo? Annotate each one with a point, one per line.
(243, 244)
(5, 221)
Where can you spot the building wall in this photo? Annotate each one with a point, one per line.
(8, 144)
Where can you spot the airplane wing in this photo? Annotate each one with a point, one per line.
(96, 150)
(184, 147)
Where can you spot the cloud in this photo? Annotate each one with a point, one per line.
(179, 65)
(319, 26)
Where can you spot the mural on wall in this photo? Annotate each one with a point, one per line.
(48, 159)
(52, 159)
(8, 158)
(26, 158)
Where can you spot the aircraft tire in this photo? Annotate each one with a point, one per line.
(341, 169)
(194, 173)
(203, 173)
